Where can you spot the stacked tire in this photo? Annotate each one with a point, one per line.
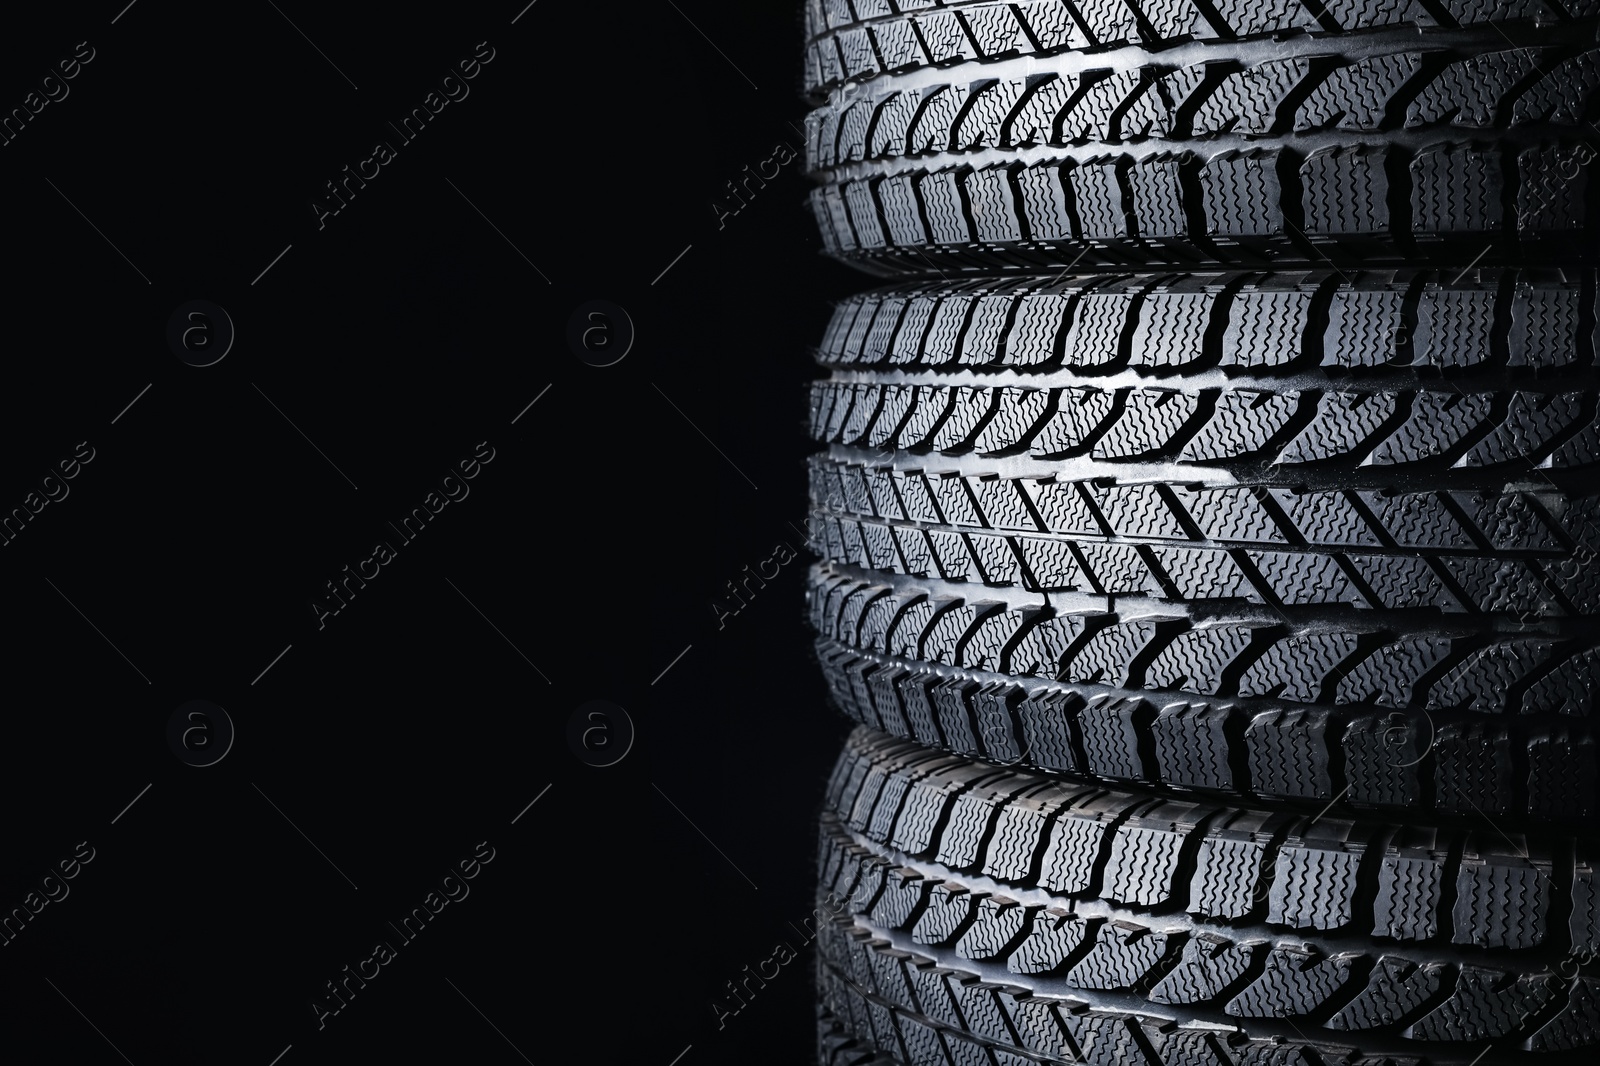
(1207, 523)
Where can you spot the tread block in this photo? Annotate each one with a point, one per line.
(1205, 573)
(1107, 1039)
(1562, 779)
(1196, 659)
(1553, 189)
(889, 969)
(1395, 990)
(1208, 969)
(934, 996)
(1092, 117)
(1100, 197)
(1156, 191)
(1289, 753)
(1045, 202)
(1037, 1021)
(1388, 676)
(1152, 421)
(1247, 101)
(1110, 729)
(980, 1008)
(1484, 1005)
(925, 807)
(953, 711)
(1544, 326)
(1019, 833)
(1136, 510)
(1472, 91)
(1144, 855)
(1053, 936)
(971, 817)
(1531, 423)
(1296, 981)
(1229, 866)
(1456, 188)
(1071, 852)
(1398, 581)
(1045, 644)
(1065, 508)
(1344, 192)
(1410, 887)
(1416, 519)
(1341, 427)
(1266, 328)
(1295, 668)
(1244, 423)
(1454, 326)
(948, 909)
(1095, 338)
(1122, 955)
(998, 922)
(1081, 414)
(1247, 18)
(1191, 745)
(1035, 336)
(1381, 758)
(1358, 97)
(1502, 901)
(1108, 655)
(1472, 768)
(1314, 881)
(1048, 729)
(1018, 415)
(1297, 578)
(992, 706)
(1325, 519)
(904, 893)
(1574, 1025)
(1485, 680)
(1241, 194)
(1568, 688)
(1438, 424)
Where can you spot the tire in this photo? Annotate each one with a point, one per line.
(1495, 371)
(866, 38)
(991, 138)
(1424, 322)
(1521, 553)
(1316, 539)
(1315, 716)
(1344, 426)
(972, 913)
(1207, 557)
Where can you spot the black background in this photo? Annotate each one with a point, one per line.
(380, 749)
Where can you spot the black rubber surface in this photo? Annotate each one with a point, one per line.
(1301, 536)
(1252, 324)
(858, 39)
(986, 149)
(1465, 724)
(994, 913)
